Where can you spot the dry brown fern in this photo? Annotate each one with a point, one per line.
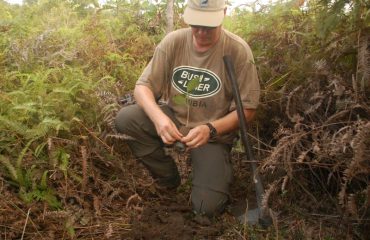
(84, 166)
(266, 196)
(323, 150)
(357, 171)
(363, 60)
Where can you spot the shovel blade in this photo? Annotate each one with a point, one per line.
(254, 217)
(251, 217)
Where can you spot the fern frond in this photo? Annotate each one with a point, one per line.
(23, 152)
(57, 214)
(106, 97)
(363, 59)
(352, 206)
(9, 166)
(321, 65)
(39, 149)
(13, 126)
(289, 104)
(43, 182)
(266, 196)
(342, 193)
(64, 162)
(121, 136)
(44, 127)
(84, 157)
(27, 107)
(360, 144)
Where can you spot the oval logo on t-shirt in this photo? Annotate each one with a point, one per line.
(196, 82)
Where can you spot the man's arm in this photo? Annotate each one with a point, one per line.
(165, 127)
(199, 135)
(230, 122)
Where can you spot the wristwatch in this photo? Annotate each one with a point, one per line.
(212, 131)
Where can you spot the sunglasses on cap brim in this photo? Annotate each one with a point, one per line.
(203, 27)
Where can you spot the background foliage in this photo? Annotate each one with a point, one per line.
(65, 64)
(313, 59)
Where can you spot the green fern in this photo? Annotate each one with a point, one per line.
(13, 126)
(44, 128)
(39, 149)
(11, 169)
(40, 192)
(23, 152)
(59, 157)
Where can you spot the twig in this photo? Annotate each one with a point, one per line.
(25, 224)
(94, 135)
(258, 140)
(275, 223)
(15, 205)
(304, 189)
(84, 163)
(322, 185)
(296, 163)
(324, 215)
(239, 234)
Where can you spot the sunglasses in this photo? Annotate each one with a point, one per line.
(202, 27)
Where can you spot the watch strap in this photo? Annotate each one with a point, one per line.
(212, 131)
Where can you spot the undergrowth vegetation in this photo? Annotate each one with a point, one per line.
(53, 65)
(65, 65)
(313, 59)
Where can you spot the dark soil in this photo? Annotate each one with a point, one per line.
(120, 201)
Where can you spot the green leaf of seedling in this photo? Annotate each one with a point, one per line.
(193, 84)
(179, 99)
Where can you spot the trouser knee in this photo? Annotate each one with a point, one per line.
(133, 121)
(128, 119)
(208, 202)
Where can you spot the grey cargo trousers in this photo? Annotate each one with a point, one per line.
(211, 166)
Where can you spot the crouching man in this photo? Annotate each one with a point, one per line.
(182, 57)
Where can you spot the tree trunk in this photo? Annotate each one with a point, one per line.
(169, 16)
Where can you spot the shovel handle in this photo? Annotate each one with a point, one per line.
(243, 128)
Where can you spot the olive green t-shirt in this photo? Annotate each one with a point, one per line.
(195, 85)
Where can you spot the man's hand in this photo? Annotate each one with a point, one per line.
(196, 137)
(199, 135)
(166, 129)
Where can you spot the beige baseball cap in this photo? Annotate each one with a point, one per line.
(209, 13)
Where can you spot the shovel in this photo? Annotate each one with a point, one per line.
(259, 215)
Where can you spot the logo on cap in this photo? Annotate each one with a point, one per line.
(203, 3)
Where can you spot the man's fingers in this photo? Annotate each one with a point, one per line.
(167, 138)
(175, 133)
(195, 142)
(170, 137)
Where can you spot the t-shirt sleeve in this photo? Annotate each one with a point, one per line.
(156, 74)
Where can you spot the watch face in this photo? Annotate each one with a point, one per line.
(212, 131)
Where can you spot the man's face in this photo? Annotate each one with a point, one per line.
(205, 37)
